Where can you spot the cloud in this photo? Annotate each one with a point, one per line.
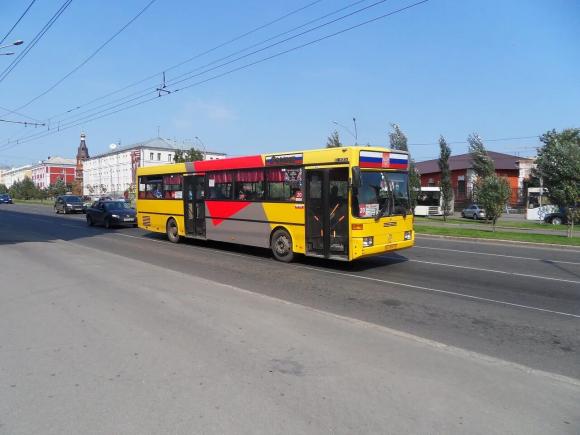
(199, 109)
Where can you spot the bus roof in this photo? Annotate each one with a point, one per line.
(305, 157)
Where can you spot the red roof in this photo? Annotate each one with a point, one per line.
(463, 161)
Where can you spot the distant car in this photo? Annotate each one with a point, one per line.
(69, 204)
(474, 212)
(560, 217)
(5, 199)
(111, 213)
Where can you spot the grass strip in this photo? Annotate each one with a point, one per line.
(46, 202)
(503, 235)
(501, 223)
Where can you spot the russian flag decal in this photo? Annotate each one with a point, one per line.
(379, 160)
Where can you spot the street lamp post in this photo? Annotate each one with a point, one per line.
(203, 145)
(10, 53)
(348, 130)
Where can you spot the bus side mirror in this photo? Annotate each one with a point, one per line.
(356, 177)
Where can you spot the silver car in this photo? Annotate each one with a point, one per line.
(474, 212)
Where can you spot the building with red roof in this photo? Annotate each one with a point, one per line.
(515, 169)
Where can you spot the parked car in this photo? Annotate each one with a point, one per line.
(474, 212)
(5, 199)
(560, 217)
(111, 213)
(69, 204)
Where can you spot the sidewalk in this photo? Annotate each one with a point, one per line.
(142, 349)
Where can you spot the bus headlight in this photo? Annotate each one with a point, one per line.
(368, 241)
(408, 235)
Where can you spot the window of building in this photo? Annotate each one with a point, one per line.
(249, 185)
(150, 156)
(158, 156)
(220, 185)
(284, 184)
(169, 157)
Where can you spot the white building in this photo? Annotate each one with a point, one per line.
(14, 175)
(113, 172)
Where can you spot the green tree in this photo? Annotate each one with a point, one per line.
(445, 182)
(333, 141)
(493, 194)
(482, 163)
(191, 155)
(558, 166)
(398, 141)
(24, 189)
(3, 188)
(59, 188)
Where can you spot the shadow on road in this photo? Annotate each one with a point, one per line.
(20, 227)
(251, 251)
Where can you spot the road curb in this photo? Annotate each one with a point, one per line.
(510, 242)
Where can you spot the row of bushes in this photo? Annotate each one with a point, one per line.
(26, 189)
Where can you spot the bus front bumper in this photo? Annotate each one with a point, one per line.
(358, 251)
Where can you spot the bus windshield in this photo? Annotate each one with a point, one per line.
(375, 191)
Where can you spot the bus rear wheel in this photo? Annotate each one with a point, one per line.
(172, 231)
(282, 246)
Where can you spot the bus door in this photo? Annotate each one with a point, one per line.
(194, 201)
(327, 212)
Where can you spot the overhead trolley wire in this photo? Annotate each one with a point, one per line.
(110, 111)
(35, 40)
(17, 22)
(86, 60)
(174, 81)
(177, 65)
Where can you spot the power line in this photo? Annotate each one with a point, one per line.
(26, 123)
(143, 93)
(84, 62)
(21, 114)
(17, 22)
(210, 50)
(174, 81)
(485, 140)
(35, 40)
(108, 111)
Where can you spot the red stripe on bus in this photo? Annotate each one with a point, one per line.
(224, 209)
(231, 163)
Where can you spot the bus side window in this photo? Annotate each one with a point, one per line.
(220, 185)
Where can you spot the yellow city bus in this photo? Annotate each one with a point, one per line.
(338, 203)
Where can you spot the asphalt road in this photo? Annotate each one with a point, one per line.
(518, 304)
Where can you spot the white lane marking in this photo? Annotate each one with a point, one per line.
(481, 269)
(501, 242)
(463, 295)
(352, 275)
(497, 255)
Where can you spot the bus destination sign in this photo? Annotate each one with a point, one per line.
(284, 159)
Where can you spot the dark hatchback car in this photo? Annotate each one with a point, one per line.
(561, 217)
(5, 199)
(111, 213)
(69, 204)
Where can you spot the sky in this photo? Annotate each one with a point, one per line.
(503, 69)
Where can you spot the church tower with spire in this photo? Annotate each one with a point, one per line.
(82, 155)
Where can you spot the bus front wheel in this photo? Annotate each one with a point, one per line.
(172, 232)
(282, 246)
